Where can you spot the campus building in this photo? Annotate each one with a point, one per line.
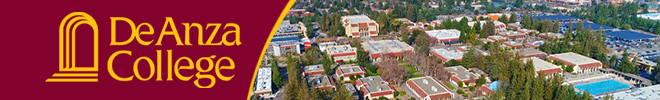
(374, 87)
(445, 36)
(313, 70)
(342, 52)
(460, 74)
(359, 25)
(262, 86)
(385, 47)
(428, 88)
(352, 90)
(497, 38)
(527, 31)
(447, 55)
(512, 34)
(542, 66)
(320, 82)
(534, 44)
(644, 93)
(513, 44)
(580, 63)
(349, 70)
(286, 39)
(530, 52)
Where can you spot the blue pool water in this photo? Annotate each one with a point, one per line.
(602, 86)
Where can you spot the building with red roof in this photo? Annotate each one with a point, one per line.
(497, 38)
(347, 71)
(359, 25)
(447, 55)
(580, 63)
(512, 34)
(513, 44)
(374, 87)
(385, 47)
(530, 52)
(428, 88)
(341, 53)
(313, 70)
(320, 82)
(542, 66)
(460, 74)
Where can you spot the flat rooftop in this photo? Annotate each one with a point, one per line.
(340, 49)
(444, 34)
(542, 65)
(483, 22)
(644, 93)
(528, 51)
(461, 72)
(348, 69)
(511, 33)
(382, 46)
(630, 35)
(375, 84)
(448, 54)
(574, 58)
(357, 18)
(313, 68)
(427, 85)
(263, 81)
(553, 35)
(319, 81)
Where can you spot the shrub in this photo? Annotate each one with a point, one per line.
(396, 93)
(460, 91)
(465, 95)
(471, 88)
(460, 84)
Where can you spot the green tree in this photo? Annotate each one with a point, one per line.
(555, 27)
(626, 65)
(311, 56)
(504, 19)
(327, 64)
(277, 77)
(421, 44)
(513, 18)
(361, 55)
(626, 27)
(468, 58)
(656, 71)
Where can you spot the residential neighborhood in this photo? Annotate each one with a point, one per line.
(463, 50)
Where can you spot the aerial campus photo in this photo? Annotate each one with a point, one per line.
(463, 50)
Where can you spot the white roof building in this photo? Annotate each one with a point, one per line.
(263, 84)
(445, 36)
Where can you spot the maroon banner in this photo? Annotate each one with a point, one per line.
(134, 49)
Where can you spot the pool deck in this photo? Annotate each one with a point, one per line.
(594, 77)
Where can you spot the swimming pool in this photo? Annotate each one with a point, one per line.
(602, 86)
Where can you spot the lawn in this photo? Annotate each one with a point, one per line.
(416, 75)
(410, 68)
(449, 86)
(373, 74)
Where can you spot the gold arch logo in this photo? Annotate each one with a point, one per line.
(68, 70)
